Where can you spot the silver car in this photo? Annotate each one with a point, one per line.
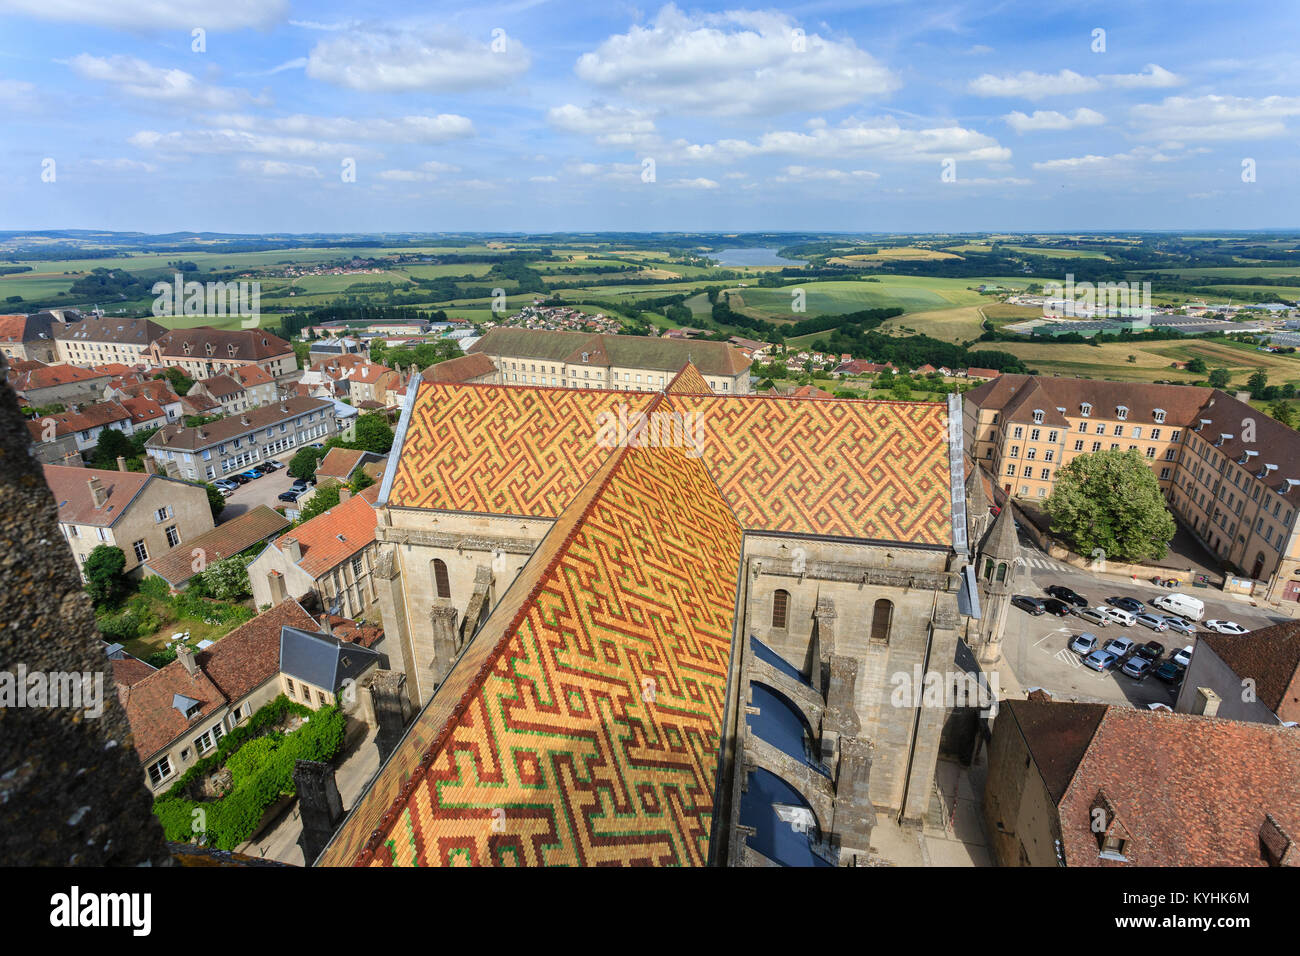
(1179, 626)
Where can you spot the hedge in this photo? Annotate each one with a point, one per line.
(261, 763)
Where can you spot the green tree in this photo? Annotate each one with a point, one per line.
(361, 482)
(373, 433)
(227, 580)
(1111, 500)
(323, 500)
(216, 500)
(1257, 383)
(180, 382)
(304, 461)
(1196, 365)
(105, 582)
(1283, 412)
(112, 443)
(901, 388)
(1219, 378)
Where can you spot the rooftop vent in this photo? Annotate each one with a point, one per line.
(1202, 423)
(1266, 470)
(1246, 456)
(1223, 436)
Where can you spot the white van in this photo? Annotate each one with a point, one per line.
(1184, 605)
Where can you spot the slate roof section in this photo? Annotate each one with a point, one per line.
(231, 537)
(320, 660)
(112, 329)
(628, 351)
(249, 345)
(1271, 657)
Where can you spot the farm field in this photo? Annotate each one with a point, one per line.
(1110, 360)
(961, 324)
(834, 297)
(895, 253)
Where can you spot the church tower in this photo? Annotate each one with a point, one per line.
(998, 567)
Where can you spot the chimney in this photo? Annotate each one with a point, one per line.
(150, 468)
(121, 463)
(185, 654)
(1207, 702)
(97, 493)
(344, 494)
(293, 549)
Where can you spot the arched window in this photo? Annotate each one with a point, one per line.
(780, 608)
(441, 584)
(1002, 571)
(881, 618)
(988, 569)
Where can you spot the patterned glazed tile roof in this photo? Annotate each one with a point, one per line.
(495, 449)
(582, 726)
(844, 468)
(688, 381)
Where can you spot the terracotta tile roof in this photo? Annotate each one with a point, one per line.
(339, 463)
(155, 721)
(1057, 737)
(71, 489)
(1271, 657)
(231, 537)
(494, 449)
(613, 757)
(47, 376)
(353, 632)
(1275, 443)
(462, 369)
(333, 536)
(846, 468)
(982, 373)
(1186, 790)
(142, 410)
(128, 671)
(1181, 403)
(222, 386)
(12, 328)
(249, 345)
(249, 655)
(251, 375)
(688, 381)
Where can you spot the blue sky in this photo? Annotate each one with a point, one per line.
(528, 115)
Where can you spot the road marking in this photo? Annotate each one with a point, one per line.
(1067, 656)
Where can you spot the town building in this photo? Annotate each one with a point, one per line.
(317, 668)
(229, 538)
(322, 349)
(158, 391)
(341, 464)
(1254, 677)
(59, 384)
(332, 555)
(1080, 784)
(624, 362)
(235, 442)
(85, 424)
(28, 337)
(99, 339)
(143, 515)
(710, 620)
(203, 352)
(238, 390)
(1230, 473)
(476, 367)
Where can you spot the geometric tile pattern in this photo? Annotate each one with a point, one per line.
(688, 381)
(592, 734)
(503, 450)
(845, 468)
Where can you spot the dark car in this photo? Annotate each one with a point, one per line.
(273, 463)
(289, 495)
(1132, 605)
(1151, 651)
(1170, 672)
(1059, 608)
(242, 479)
(301, 484)
(262, 470)
(1062, 593)
(1030, 604)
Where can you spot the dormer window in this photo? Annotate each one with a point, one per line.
(209, 348)
(1121, 412)
(1038, 416)
(1085, 409)
(1160, 416)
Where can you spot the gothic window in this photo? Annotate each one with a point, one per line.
(1002, 571)
(442, 585)
(780, 609)
(881, 618)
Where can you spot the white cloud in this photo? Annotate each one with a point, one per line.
(121, 165)
(1116, 161)
(1052, 120)
(277, 169)
(807, 173)
(609, 125)
(440, 128)
(390, 60)
(734, 63)
(142, 80)
(155, 14)
(700, 183)
(426, 173)
(1033, 86)
(233, 141)
(1212, 117)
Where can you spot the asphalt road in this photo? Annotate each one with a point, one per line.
(260, 491)
(1035, 648)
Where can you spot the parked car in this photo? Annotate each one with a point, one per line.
(1132, 605)
(302, 484)
(1183, 657)
(225, 484)
(1084, 644)
(1120, 646)
(1030, 604)
(251, 475)
(1059, 608)
(1154, 621)
(1151, 651)
(1118, 615)
(289, 495)
(1095, 615)
(1227, 627)
(1062, 593)
(1101, 661)
(241, 479)
(1136, 667)
(1179, 626)
(274, 464)
(1170, 672)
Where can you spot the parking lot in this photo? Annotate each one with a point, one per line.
(260, 491)
(1036, 648)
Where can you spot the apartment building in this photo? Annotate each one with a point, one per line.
(1230, 473)
(235, 442)
(85, 424)
(624, 362)
(203, 352)
(238, 390)
(144, 515)
(99, 339)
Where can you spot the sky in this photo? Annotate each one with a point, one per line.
(254, 116)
